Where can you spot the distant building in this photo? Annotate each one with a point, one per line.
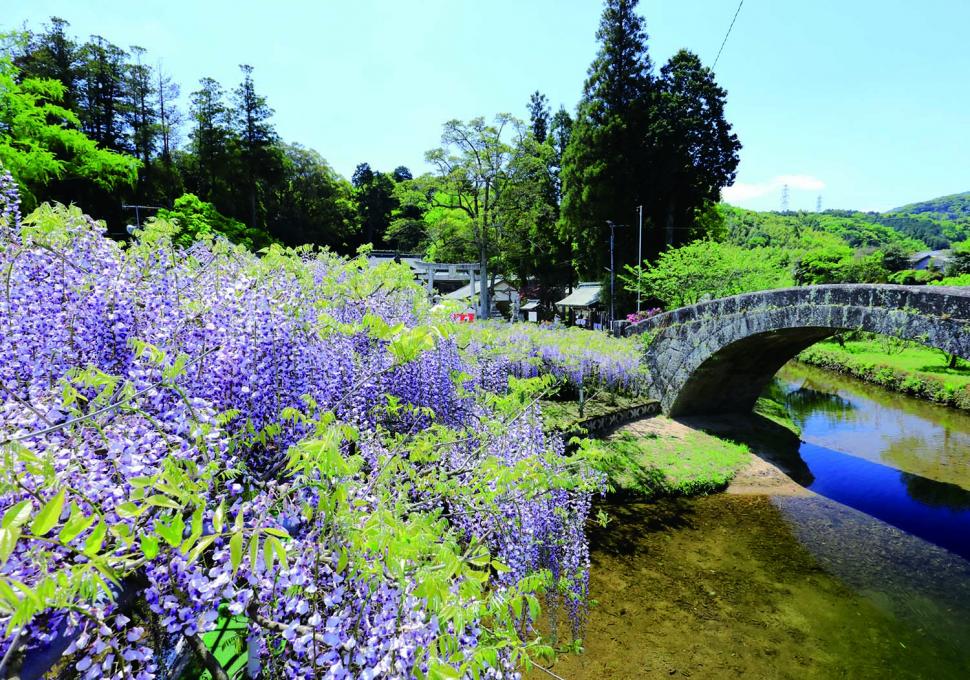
(931, 259)
(582, 306)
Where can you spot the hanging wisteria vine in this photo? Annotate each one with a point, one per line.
(289, 441)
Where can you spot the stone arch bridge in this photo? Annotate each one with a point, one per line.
(718, 356)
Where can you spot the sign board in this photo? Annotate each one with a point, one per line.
(460, 317)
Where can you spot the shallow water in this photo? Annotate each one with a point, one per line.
(864, 580)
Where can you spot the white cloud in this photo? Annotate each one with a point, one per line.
(742, 191)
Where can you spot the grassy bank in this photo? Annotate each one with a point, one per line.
(910, 369)
(661, 457)
(563, 415)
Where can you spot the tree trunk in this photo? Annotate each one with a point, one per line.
(485, 305)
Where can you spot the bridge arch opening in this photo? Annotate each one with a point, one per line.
(732, 379)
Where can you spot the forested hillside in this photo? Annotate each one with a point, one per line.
(938, 222)
(933, 224)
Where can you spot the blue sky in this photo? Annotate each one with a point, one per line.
(864, 102)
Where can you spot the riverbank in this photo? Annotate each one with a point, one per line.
(917, 371)
(657, 456)
(771, 580)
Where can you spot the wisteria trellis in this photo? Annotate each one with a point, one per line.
(292, 438)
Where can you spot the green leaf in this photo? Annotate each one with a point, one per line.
(94, 542)
(268, 555)
(149, 546)
(171, 530)
(48, 515)
(235, 551)
(279, 533)
(77, 523)
(254, 548)
(201, 546)
(278, 548)
(219, 517)
(162, 501)
(18, 515)
(440, 671)
(8, 541)
(499, 567)
(128, 510)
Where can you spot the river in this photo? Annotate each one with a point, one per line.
(864, 576)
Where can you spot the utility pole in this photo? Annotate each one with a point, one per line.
(612, 227)
(639, 255)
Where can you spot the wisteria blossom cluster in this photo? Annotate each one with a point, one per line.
(294, 441)
(574, 355)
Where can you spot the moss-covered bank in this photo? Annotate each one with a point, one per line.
(917, 371)
(662, 457)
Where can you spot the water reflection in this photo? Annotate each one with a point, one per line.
(863, 420)
(808, 401)
(889, 459)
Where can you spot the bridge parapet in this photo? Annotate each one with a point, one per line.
(718, 356)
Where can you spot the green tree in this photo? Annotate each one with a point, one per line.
(560, 129)
(682, 276)
(209, 139)
(824, 264)
(374, 194)
(539, 116)
(258, 152)
(960, 264)
(53, 55)
(194, 218)
(102, 105)
(473, 170)
(695, 151)
(40, 140)
(895, 257)
(312, 203)
(140, 113)
(408, 230)
(660, 142)
(604, 167)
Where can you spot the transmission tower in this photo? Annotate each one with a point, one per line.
(784, 198)
(818, 203)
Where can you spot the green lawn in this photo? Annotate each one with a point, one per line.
(659, 456)
(911, 358)
(904, 367)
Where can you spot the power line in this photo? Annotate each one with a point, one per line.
(724, 42)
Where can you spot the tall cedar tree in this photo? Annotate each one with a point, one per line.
(209, 140)
(539, 116)
(140, 113)
(257, 137)
(533, 247)
(662, 143)
(605, 167)
(697, 153)
(103, 106)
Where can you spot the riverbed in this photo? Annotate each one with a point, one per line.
(861, 575)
